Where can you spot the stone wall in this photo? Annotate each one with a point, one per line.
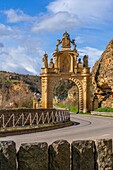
(60, 155)
(31, 117)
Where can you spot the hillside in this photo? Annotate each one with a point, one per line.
(16, 90)
(102, 78)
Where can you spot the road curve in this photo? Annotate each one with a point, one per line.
(85, 127)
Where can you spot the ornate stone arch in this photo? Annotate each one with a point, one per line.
(79, 73)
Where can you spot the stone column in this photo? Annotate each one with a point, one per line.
(72, 63)
(86, 94)
(104, 154)
(82, 155)
(47, 91)
(59, 155)
(44, 92)
(33, 156)
(7, 155)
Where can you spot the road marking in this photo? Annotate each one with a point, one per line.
(106, 135)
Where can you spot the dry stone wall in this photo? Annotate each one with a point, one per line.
(60, 155)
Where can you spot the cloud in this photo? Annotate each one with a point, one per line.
(79, 40)
(62, 14)
(17, 15)
(17, 60)
(83, 9)
(93, 53)
(1, 45)
(5, 30)
(57, 22)
(20, 49)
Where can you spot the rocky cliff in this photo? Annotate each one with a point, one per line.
(102, 78)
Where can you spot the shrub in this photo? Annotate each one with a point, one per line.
(105, 109)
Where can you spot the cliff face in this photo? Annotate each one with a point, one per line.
(102, 78)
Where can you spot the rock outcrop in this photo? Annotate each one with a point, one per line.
(102, 79)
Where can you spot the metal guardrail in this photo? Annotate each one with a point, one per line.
(33, 119)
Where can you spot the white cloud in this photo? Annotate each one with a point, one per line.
(93, 53)
(83, 9)
(5, 30)
(22, 52)
(79, 40)
(17, 60)
(17, 16)
(59, 21)
(62, 14)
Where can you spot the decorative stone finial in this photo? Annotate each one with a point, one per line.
(66, 41)
(85, 61)
(66, 34)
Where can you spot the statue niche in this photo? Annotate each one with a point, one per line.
(65, 64)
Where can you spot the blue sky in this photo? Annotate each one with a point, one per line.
(28, 28)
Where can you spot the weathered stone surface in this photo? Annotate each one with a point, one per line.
(59, 155)
(104, 154)
(82, 155)
(33, 156)
(7, 155)
(102, 78)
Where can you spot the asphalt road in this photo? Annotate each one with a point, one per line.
(85, 127)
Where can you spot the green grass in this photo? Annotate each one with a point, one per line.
(105, 109)
(67, 106)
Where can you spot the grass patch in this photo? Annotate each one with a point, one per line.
(67, 107)
(105, 109)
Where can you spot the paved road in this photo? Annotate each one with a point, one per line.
(86, 127)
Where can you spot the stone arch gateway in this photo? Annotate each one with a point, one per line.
(66, 66)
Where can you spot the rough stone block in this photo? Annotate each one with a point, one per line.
(33, 156)
(82, 155)
(59, 155)
(104, 154)
(7, 155)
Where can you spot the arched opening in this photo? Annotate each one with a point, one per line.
(66, 95)
(66, 67)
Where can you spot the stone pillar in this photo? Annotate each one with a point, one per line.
(59, 155)
(82, 155)
(44, 92)
(47, 92)
(86, 94)
(72, 64)
(104, 154)
(7, 155)
(33, 156)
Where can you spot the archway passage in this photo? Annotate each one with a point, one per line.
(66, 66)
(65, 95)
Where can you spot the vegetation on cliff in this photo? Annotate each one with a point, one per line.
(16, 90)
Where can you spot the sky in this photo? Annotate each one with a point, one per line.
(29, 28)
